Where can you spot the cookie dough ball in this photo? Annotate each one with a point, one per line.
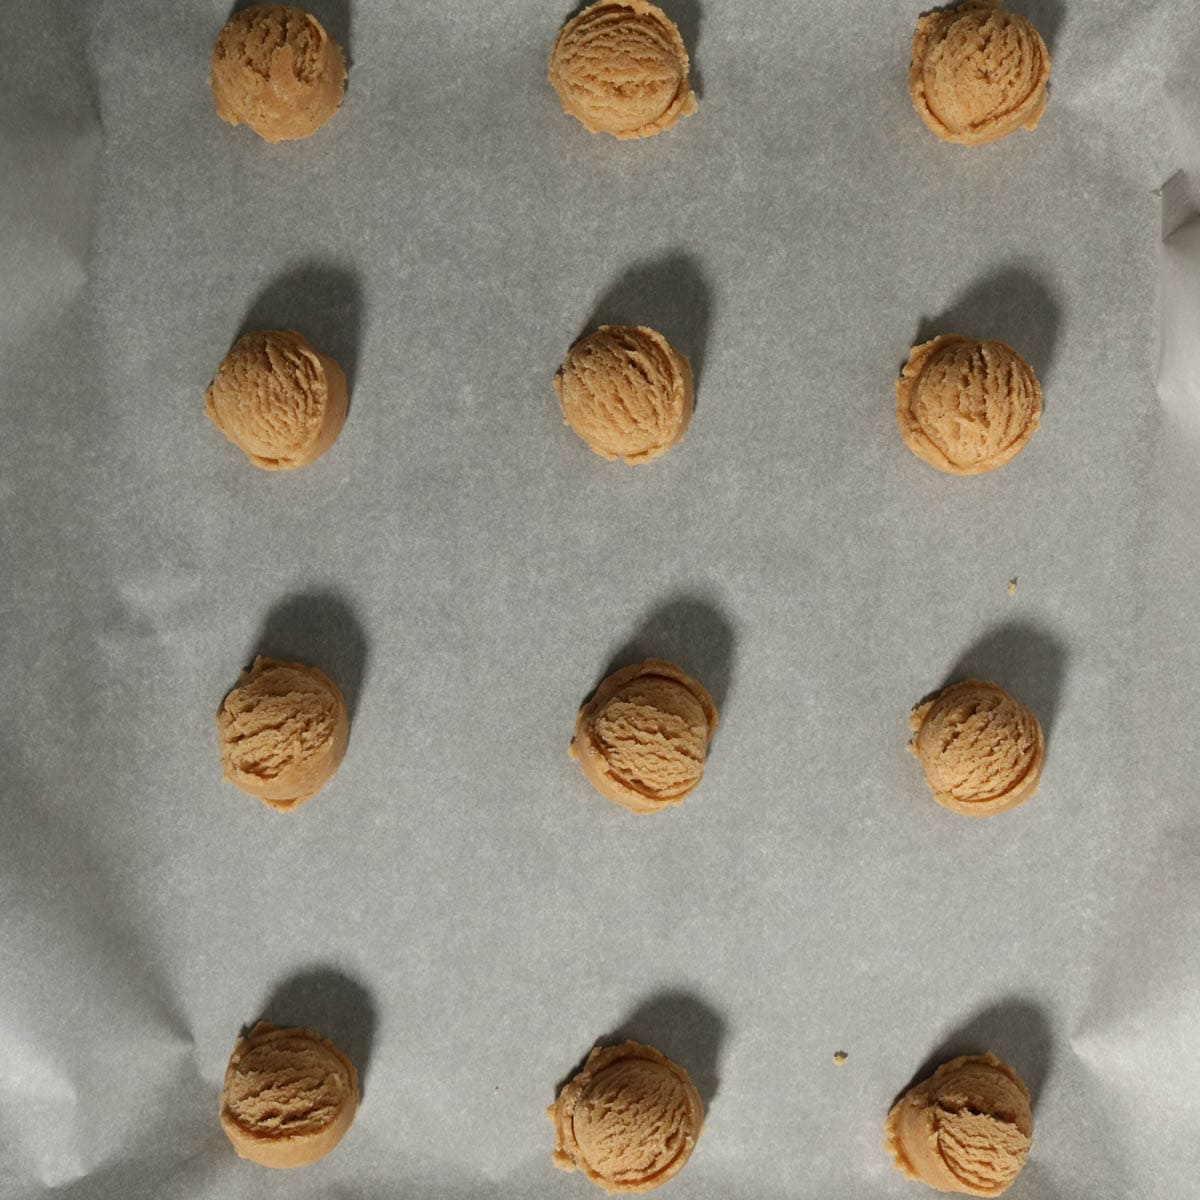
(629, 1120)
(982, 751)
(282, 732)
(276, 70)
(642, 738)
(965, 1129)
(967, 407)
(626, 392)
(278, 400)
(289, 1096)
(620, 67)
(978, 73)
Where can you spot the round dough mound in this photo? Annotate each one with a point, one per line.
(967, 407)
(642, 739)
(978, 73)
(982, 750)
(626, 392)
(620, 67)
(276, 70)
(629, 1120)
(278, 400)
(966, 1129)
(289, 1096)
(282, 732)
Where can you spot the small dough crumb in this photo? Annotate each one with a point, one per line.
(1012, 586)
(839, 1057)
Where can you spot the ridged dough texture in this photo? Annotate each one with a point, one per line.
(276, 70)
(289, 1096)
(620, 67)
(626, 392)
(629, 1120)
(278, 400)
(642, 739)
(282, 732)
(966, 1129)
(978, 73)
(967, 407)
(982, 750)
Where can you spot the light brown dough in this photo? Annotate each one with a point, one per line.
(620, 67)
(275, 69)
(978, 73)
(967, 407)
(966, 1129)
(289, 1096)
(628, 1121)
(982, 751)
(642, 738)
(278, 400)
(626, 392)
(282, 732)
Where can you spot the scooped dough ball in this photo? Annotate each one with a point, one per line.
(967, 407)
(626, 392)
(981, 749)
(282, 732)
(620, 67)
(966, 1129)
(978, 73)
(629, 1120)
(642, 739)
(281, 402)
(289, 1096)
(275, 69)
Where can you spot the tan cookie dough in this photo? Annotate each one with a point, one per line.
(275, 69)
(642, 738)
(967, 407)
(620, 67)
(978, 73)
(626, 392)
(629, 1120)
(278, 400)
(282, 732)
(965, 1129)
(289, 1096)
(982, 751)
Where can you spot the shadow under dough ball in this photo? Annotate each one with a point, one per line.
(282, 732)
(620, 67)
(289, 1096)
(628, 1121)
(626, 392)
(966, 1129)
(278, 400)
(276, 70)
(642, 739)
(981, 749)
(967, 407)
(978, 73)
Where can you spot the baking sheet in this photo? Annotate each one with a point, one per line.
(458, 909)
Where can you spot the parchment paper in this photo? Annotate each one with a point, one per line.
(458, 909)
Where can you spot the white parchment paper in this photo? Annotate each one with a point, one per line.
(458, 909)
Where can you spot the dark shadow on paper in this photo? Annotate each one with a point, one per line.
(1046, 16)
(691, 631)
(322, 301)
(334, 15)
(687, 1029)
(330, 1003)
(1016, 1030)
(1027, 661)
(671, 295)
(1013, 305)
(320, 629)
